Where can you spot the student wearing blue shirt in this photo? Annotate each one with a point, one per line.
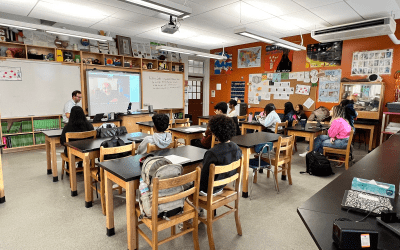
(271, 118)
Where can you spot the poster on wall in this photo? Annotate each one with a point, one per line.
(222, 67)
(10, 74)
(238, 90)
(324, 54)
(278, 59)
(372, 62)
(329, 86)
(258, 87)
(249, 57)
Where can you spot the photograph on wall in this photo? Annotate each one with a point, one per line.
(249, 57)
(372, 62)
(324, 54)
(278, 59)
(302, 89)
(329, 86)
(222, 67)
(10, 74)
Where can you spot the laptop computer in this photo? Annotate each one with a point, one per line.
(98, 117)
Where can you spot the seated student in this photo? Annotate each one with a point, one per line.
(348, 104)
(77, 123)
(232, 108)
(160, 137)
(205, 142)
(299, 113)
(288, 113)
(271, 118)
(338, 133)
(223, 153)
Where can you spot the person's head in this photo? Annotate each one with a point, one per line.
(232, 103)
(299, 108)
(106, 88)
(269, 108)
(221, 108)
(222, 127)
(344, 102)
(161, 122)
(338, 112)
(76, 96)
(288, 107)
(354, 98)
(77, 116)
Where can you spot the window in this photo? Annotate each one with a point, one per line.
(196, 67)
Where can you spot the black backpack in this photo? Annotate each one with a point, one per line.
(114, 142)
(318, 164)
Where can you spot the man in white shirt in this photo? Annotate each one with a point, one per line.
(76, 98)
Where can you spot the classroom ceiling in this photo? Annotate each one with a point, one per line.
(212, 22)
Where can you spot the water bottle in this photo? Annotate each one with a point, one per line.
(145, 198)
(143, 187)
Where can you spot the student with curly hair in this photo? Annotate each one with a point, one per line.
(160, 137)
(223, 153)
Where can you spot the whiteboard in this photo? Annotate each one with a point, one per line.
(162, 90)
(44, 89)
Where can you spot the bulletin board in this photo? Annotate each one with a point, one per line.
(294, 98)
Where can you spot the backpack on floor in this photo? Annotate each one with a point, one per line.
(318, 164)
(161, 167)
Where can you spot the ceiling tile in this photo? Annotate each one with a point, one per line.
(114, 22)
(306, 20)
(125, 6)
(244, 11)
(337, 13)
(62, 19)
(22, 7)
(137, 18)
(309, 4)
(182, 33)
(373, 8)
(274, 7)
(118, 30)
(76, 8)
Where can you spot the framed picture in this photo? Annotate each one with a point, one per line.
(124, 46)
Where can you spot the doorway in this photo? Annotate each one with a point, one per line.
(195, 98)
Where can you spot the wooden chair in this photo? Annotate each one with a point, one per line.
(282, 159)
(68, 137)
(345, 151)
(294, 123)
(242, 118)
(211, 202)
(214, 141)
(97, 174)
(153, 147)
(156, 224)
(182, 123)
(283, 126)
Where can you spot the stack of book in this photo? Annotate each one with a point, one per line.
(15, 127)
(48, 124)
(4, 126)
(26, 126)
(39, 139)
(21, 141)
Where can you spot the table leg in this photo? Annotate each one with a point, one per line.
(48, 156)
(311, 137)
(245, 178)
(2, 195)
(130, 215)
(187, 141)
(383, 127)
(72, 173)
(109, 205)
(54, 160)
(372, 141)
(86, 177)
(243, 130)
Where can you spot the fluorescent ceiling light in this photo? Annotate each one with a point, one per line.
(191, 52)
(163, 6)
(268, 39)
(54, 30)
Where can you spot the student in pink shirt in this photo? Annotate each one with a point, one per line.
(338, 133)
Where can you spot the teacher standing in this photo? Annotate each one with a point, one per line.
(76, 98)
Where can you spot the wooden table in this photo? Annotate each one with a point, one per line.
(246, 143)
(187, 133)
(87, 150)
(310, 132)
(2, 195)
(251, 125)
(369, 125)
(126, 173)
(146, 127)
(318, 212)
(204, 119)
(52, 137)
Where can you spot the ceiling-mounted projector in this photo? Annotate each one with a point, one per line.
(170, 27)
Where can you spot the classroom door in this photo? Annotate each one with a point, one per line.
(195, 98)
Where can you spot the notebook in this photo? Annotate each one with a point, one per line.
(364, 202)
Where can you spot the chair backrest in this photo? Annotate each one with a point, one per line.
(116, 150)
(242, 118)
(80, 135)
(284, 125)
(153, 147)
(350, 140)
(214, 170)
(214, 140)
(182, 122)
(295, 122)
(175, 182)
(284, 146)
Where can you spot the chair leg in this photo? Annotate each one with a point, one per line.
(119, 190)
(195, 233)
(347, 161)
(209, 230)
(255, 177)
(102, 193)
(62, 169)
(289, 172)
(268, 174)
(173, 230)
(276, 187)
(251, 187)
(276, 178)
(237, 219)
(154, 239)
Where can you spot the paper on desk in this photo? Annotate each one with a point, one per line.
(177, 159)
(199, 129)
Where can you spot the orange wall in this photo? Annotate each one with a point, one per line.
(299, 64)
